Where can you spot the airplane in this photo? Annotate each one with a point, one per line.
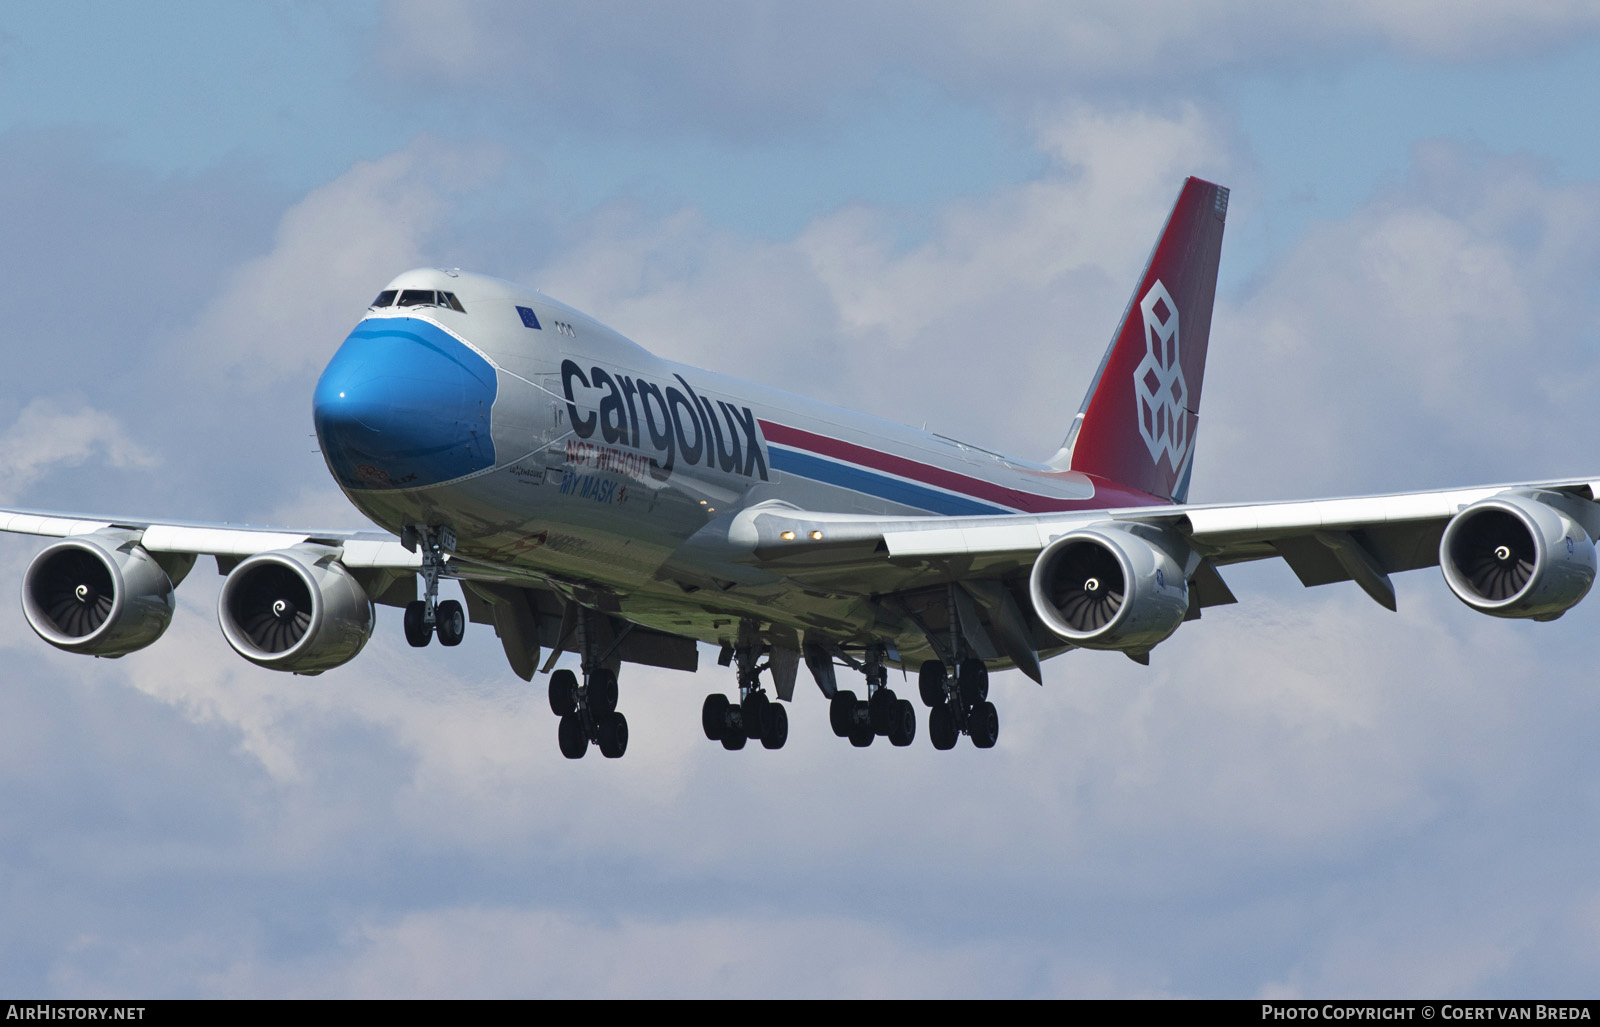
(592, 498)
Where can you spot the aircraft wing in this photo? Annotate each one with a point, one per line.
(1362, 539)
(1232, 533)
(1400, 530)
(229, 543)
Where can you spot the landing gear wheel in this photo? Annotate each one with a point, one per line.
(602, 691)
(942, 727)
(930, 682)
(984, 724)
(756, 708)
(451, 622)
(974, 681)
(734, 738)
(777, 727)
(714, 716)
(861, 733)
(903, 723)
(574, 740)
(842, 713)
(417, 632)
(563, 693)
(882, 706)
(613, 732)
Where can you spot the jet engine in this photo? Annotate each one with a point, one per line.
(296, 609)
(97, 594)
(1512, 555)
(1104, 588)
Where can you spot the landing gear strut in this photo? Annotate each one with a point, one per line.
(588, 711)
(960, 705)
(880, 713)
(755, 717)
(427, 616)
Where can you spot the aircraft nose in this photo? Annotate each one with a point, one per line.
(403, 404)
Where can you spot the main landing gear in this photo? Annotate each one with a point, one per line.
(958, 706)
(880, 713)
(427, 616)
(755, 717)
(588, 711)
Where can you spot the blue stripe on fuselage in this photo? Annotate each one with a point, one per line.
(857, 479)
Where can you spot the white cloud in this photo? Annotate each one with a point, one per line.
(745, 67)
(1442, 335)
(281, 313)
(511, 953)
(989, 330)
(49, 434)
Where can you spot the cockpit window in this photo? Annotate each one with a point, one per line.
(429, 298)
(385, 298)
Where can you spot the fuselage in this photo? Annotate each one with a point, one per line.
(558, 449)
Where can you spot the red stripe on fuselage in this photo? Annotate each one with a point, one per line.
(1106, 494)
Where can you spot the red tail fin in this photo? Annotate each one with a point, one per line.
(1137, 423)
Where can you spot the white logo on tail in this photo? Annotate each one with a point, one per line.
(1158, 383)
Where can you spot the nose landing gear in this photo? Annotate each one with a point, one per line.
(427, 616)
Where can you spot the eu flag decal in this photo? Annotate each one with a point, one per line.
(529, 318)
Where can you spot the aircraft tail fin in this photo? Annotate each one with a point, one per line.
(1137, 424)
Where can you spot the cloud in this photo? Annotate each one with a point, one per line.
(749, 69)
(989, 329)
(49, 435)
(512, 953)
(1441, 335)
(330, 253)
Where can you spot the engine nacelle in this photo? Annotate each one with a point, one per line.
(97, 594)
(296, 609)
(1104, 588)
(1512, 555)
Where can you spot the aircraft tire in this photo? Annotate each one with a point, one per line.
(451, 622)
(930, 682)
(613, 732)
(574, 740)
(734, 738)
(563, 693)
(602, 691)
(942, 727)
(903, 723)
(984, 724)
(417, 632)
(882, 708)
(861, 733)
(777, 727)
(841, 712)
(756, 708)
(974, 681)
(714, 716)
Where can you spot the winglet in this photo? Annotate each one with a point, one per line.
(1137, 424)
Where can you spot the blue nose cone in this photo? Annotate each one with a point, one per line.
(403, 404)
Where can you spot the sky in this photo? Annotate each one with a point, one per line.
(931, 211)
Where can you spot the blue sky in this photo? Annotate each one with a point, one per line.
(912, 209)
